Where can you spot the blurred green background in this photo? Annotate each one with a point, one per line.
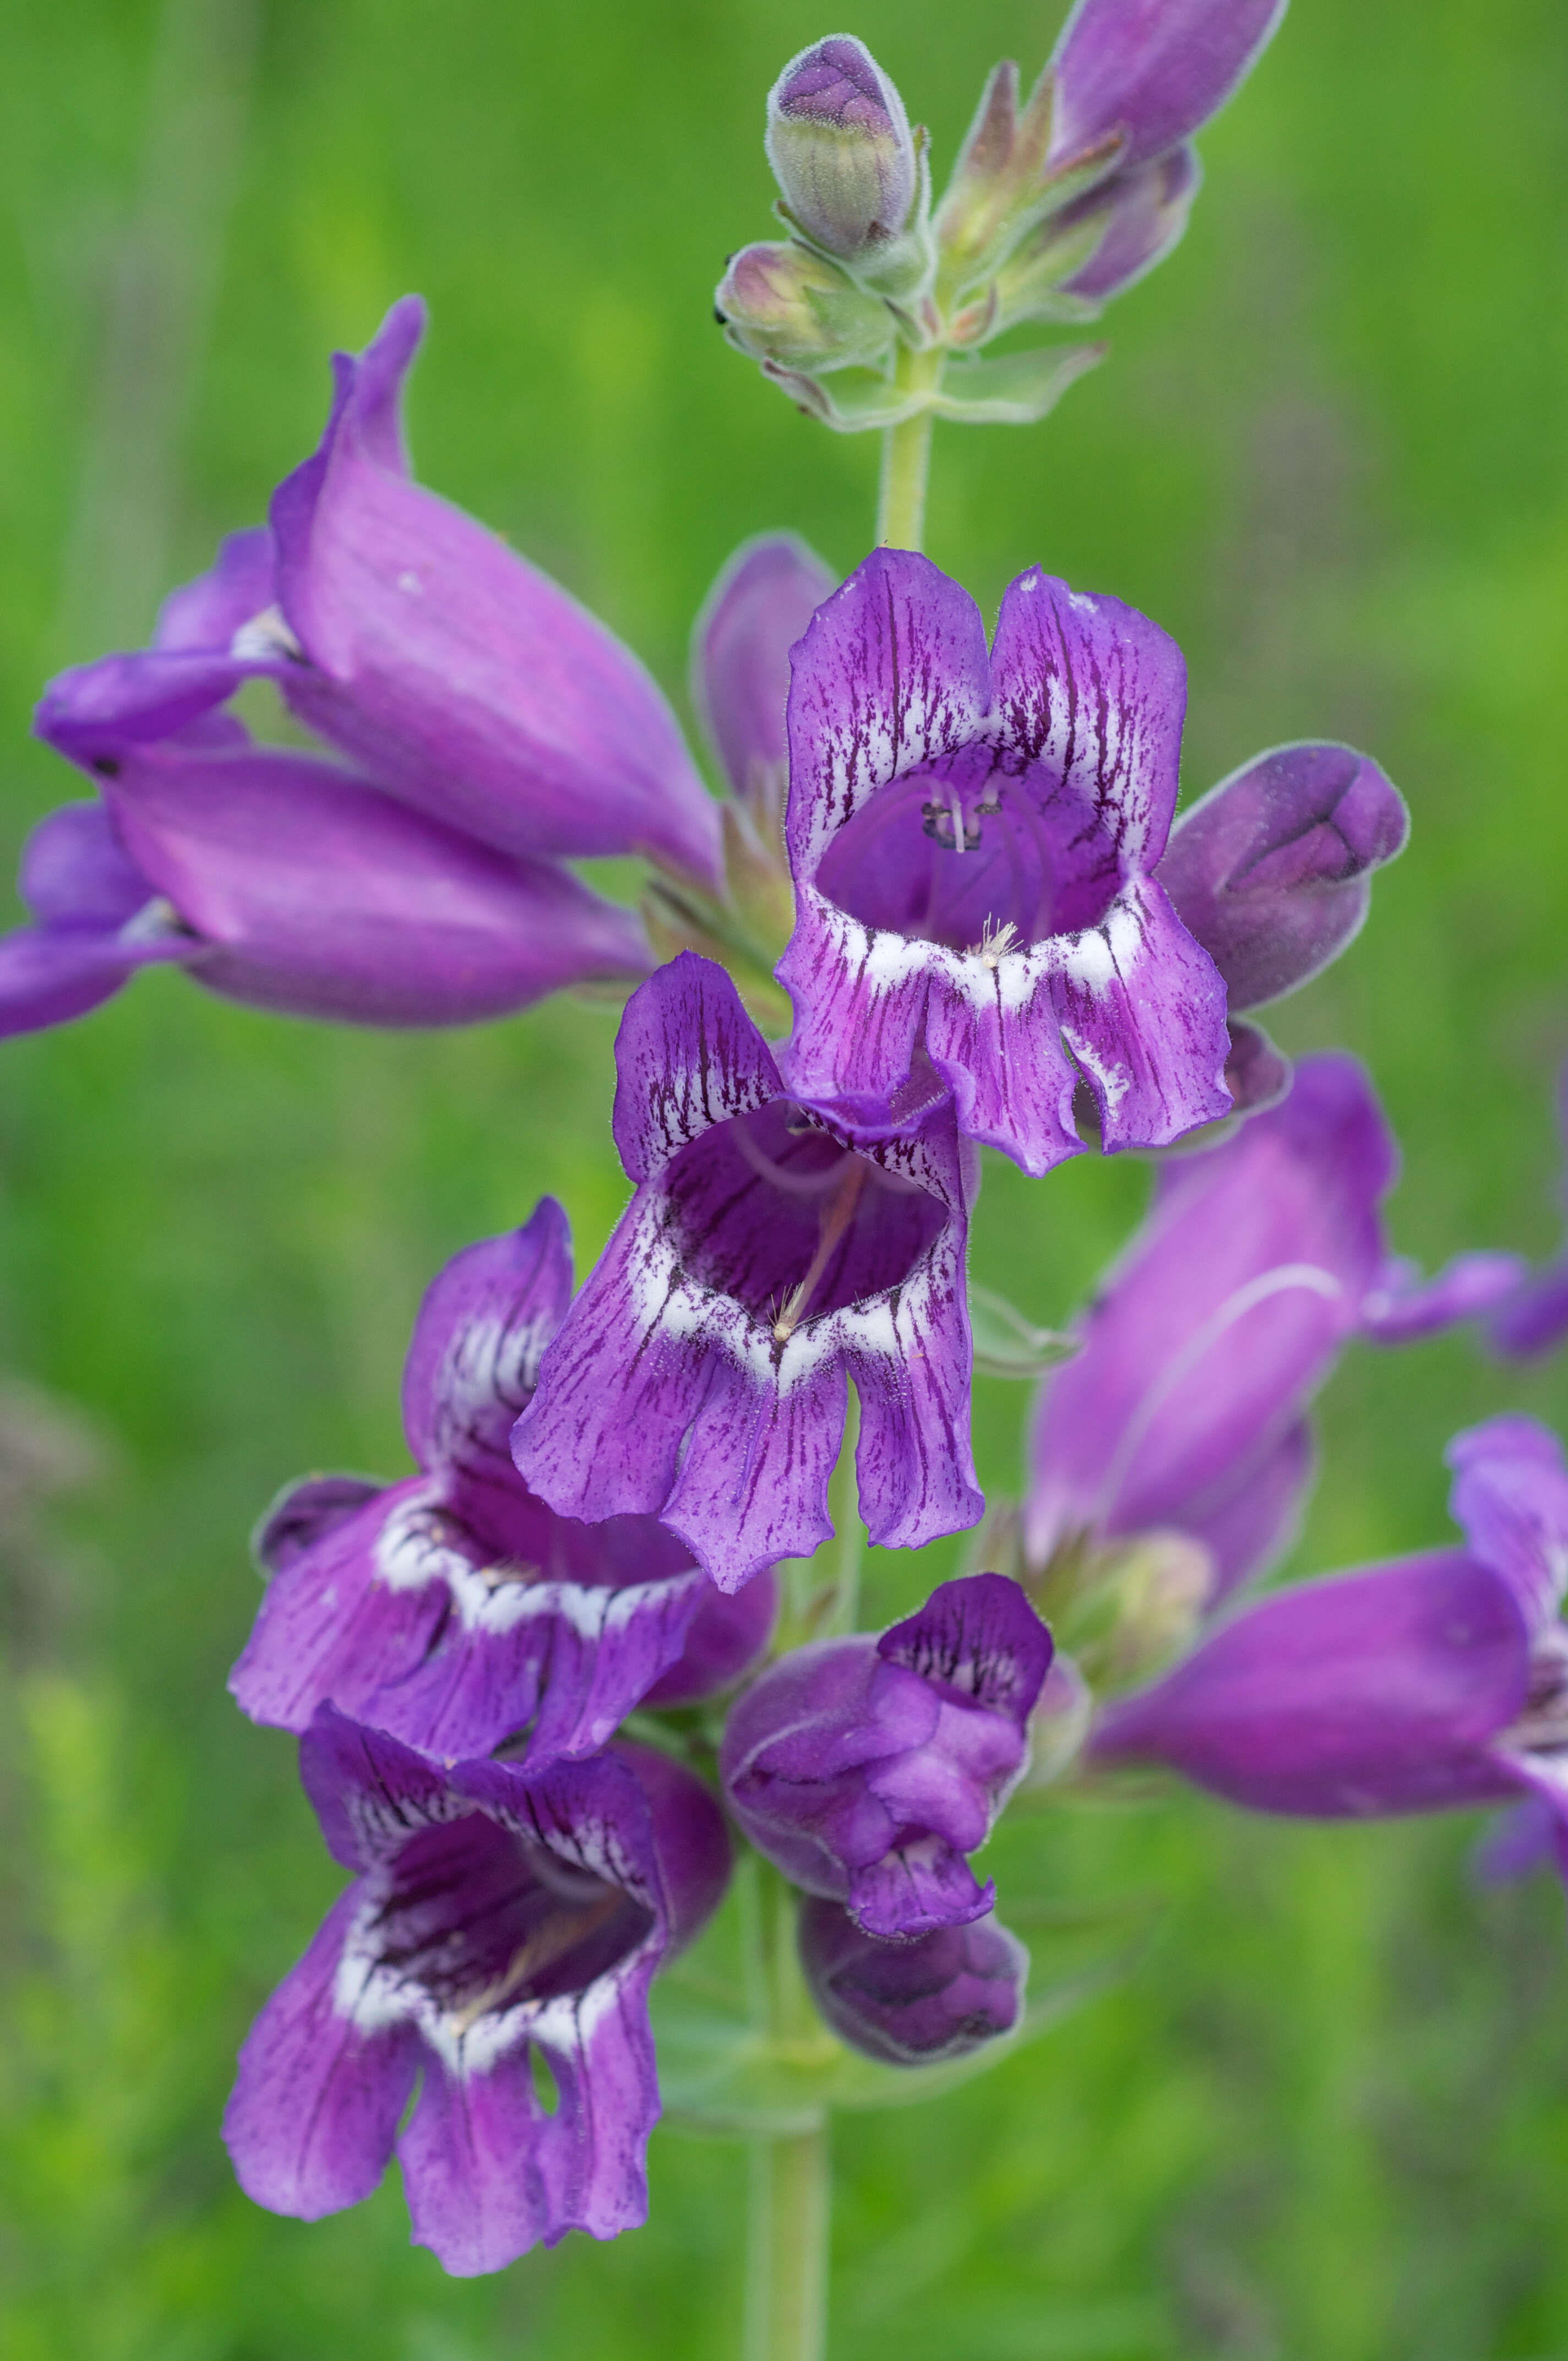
(1327, 2118)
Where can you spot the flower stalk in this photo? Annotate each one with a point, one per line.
(906, 454)
(790, 2193)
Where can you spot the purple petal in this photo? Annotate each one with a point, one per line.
(1510, 1500)
(1155, 70)
(1371, 1693)
(1271, 869)
(691, 1840)
(1145, 214)
(724, 1640)
(1227, 1313)
(48, 975)
(1143, 1012)
(202, 617)
(1535, 1319)
(76, 873)
(323, 897)
(686, 1057)
(981, 1636)
(913, 2003)
(1522, 1839)
(840, 143)
(1249, 1528)
(304, 1514)
(470, 684)
(753, 1486)
(761, 604)
(1402, 1305)
(481, 1329)
(918, 1886)
(315, 2106)
(1258, 1075)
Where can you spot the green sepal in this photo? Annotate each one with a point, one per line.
(1008, 1345)
(857, 399)
(1014, 391)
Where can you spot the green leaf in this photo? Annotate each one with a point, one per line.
(852, 400)
(1006, 1346)
(1015, 391)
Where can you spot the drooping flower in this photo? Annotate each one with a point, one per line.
(1534, 1318)
(1426, 1683)
(918, 2002)
(499, 1919)
(766, 1256)
(453, 1610)
(1184, 1413)
(973, 836)
(869, 1770)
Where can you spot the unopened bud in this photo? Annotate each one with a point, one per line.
(840, 142)
(785, 304)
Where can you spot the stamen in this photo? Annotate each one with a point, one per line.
(994, 944)
(831, 1223)
(543, 1948)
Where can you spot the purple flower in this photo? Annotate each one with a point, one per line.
(1152, 71)
(765, 1256)
(972, 837)
(868, 1770)
(913, 2003)
(289, 883)
(1271, 870)
(1262, 1257)
(498, 1918)
(1534, 1318)
(1429, 1682)
(453, 1610)
(764, 596)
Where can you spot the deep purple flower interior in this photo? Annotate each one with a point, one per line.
(979, 840)
(479, 1918)
(773, 1211)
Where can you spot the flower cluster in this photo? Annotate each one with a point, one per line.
(546, 1684)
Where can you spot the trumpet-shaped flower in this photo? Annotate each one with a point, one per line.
(453, 1608)
(917, 2003)
(498, 1918)
(868, 1770)
(766, 1256)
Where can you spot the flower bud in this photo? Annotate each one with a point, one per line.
(840, 143)
(784, 303)
(914, 2004)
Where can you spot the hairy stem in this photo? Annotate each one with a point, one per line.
(907, 455)
(788, 2228)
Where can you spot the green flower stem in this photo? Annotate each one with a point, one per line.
(906, 454)
(788, 2228)
(822, 1593)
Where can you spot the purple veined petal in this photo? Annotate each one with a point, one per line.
(368, 1791)
(465, 681)
(1271, 870)
(724, 1640)
(304, 1514)
(1156, 70)
(1401, 1305)
(1226, 1314)
(483, 1324)
(203, 616)
(761, 604)
(1510, 1500)
(980, 1637)
(315, 2106)
(1535, 1318)
(1369, 1693)
(318, 896)
(1247, 1529)
(1144, 213)
(700, 1373)
(913, 2003)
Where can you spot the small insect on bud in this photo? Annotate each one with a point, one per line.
(840, 142)
(784, 303)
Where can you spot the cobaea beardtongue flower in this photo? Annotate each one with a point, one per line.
(918, 2002)
(453, 1610)
(765, 1257)
(973, 835)
(868, 1770)
(290, 884)
(457, 676)
(1182, 1417)
(1151, 72)
(496, 1913)
(1429, 1682)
